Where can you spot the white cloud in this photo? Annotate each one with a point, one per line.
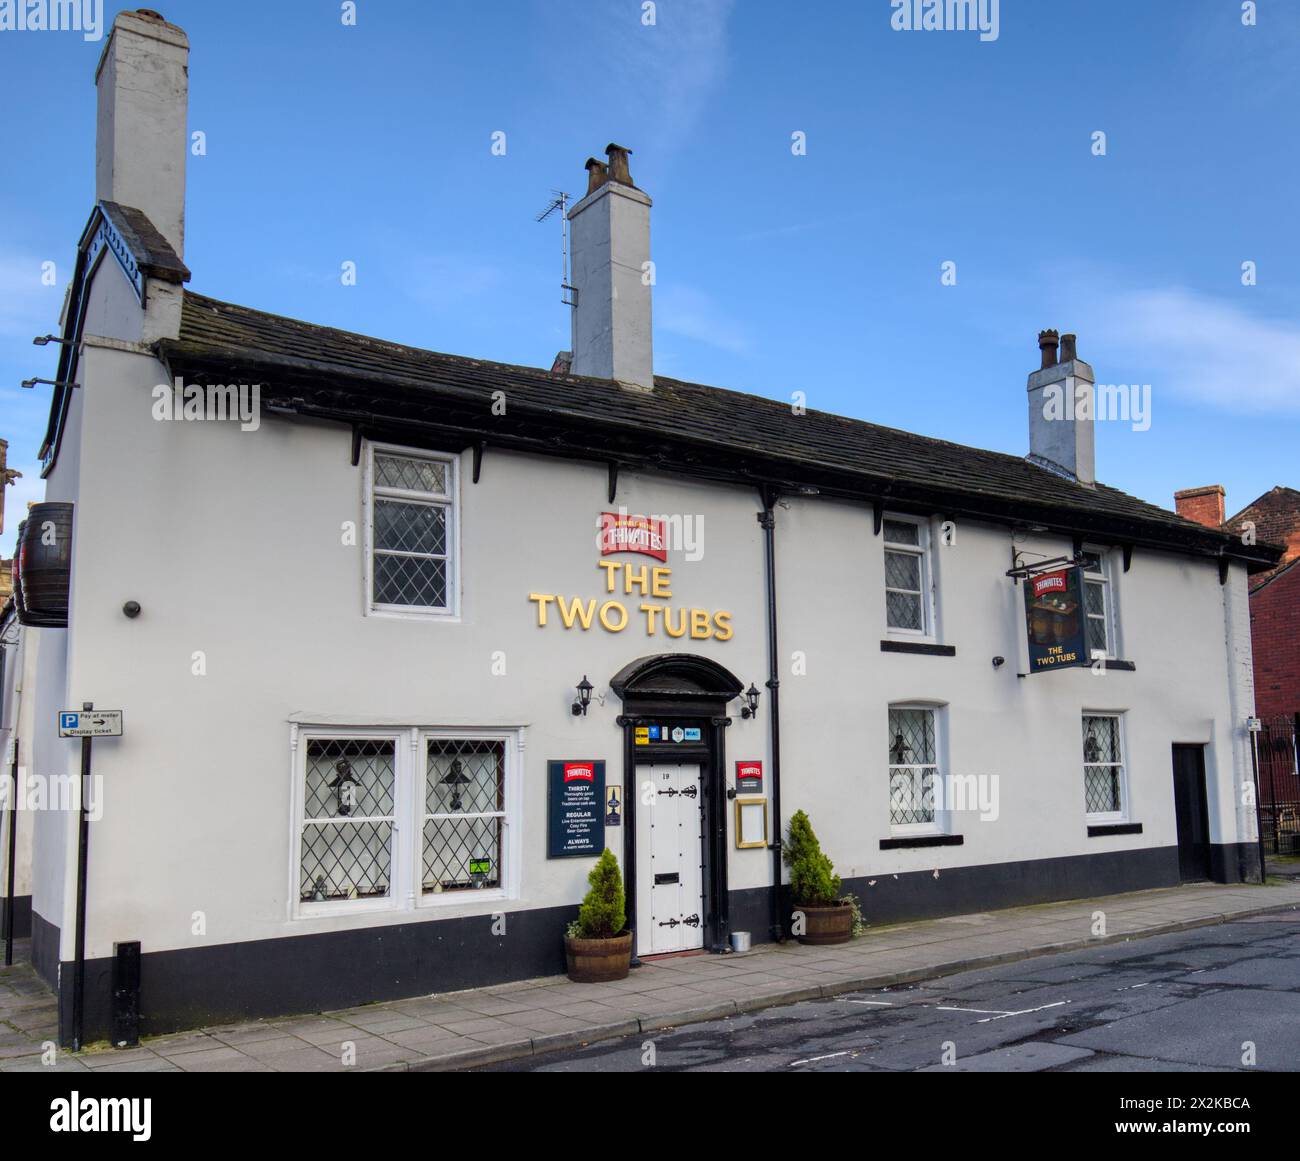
(684, 311)
(1203, 349)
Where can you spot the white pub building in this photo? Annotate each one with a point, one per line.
(403, 645)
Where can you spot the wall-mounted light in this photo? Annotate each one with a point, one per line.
(750, 709)
(45, 340)
(29, 383)
(584, 697)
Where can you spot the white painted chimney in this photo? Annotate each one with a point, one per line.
(1062, 403)
(610, 241)
(140, 138)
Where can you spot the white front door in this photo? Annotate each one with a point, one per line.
(670, 893)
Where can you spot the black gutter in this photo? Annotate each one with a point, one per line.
(767, 520)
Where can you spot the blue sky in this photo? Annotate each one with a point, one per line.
(776, 272)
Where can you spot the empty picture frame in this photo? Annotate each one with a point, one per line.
(751, 822)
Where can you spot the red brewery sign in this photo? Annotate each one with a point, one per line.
(579, 771)
(749, 775)
(1052, 582)
(620, 532)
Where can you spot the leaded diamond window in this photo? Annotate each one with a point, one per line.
(412, 532)
(346, 848)
(464, 811)
(1096, 601)
(1103, 764)
(905, 576)
(913, 766)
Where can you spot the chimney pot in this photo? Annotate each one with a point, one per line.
(1047, 344)
(1068, 354)
(618, 167)
(597, 174)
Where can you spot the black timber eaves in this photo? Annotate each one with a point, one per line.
(407, 394)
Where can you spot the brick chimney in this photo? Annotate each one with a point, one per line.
(610, 239)
(1061, 410)
(1202, 505)
(140, 139)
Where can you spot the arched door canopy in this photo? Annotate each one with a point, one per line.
(678, 677)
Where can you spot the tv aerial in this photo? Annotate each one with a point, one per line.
(568, 292)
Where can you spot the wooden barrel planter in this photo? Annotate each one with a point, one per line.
(43, 566)
(597, 961)
(826, 925)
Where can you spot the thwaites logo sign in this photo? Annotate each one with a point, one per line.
(635, 594)
(1055, 621)
(620, 532)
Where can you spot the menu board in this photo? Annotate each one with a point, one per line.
(575, 809)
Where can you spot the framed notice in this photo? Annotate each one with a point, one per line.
(575, 797)
(751, 822)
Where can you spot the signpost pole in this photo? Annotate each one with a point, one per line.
(12, 859)
(83, 843)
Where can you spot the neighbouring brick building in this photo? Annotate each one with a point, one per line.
(1274, 595)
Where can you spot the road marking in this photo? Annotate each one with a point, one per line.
(994, 1014)
(815, 1059)
(867, 1003)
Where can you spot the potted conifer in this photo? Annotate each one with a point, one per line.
(597, 946)
(821, 915)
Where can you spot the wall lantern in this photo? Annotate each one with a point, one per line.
(344, 786)
(584, 697)
(751, 697)
(455, 778)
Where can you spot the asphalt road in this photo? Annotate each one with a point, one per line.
(1191, 1002)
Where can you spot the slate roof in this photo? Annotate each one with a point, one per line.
(383, 387)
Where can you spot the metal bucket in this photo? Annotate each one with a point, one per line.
(740, 941)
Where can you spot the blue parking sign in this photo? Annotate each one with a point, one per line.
(68, 721)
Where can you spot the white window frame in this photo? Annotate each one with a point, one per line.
(1121, 721)
(406, 869)
(940, 823)
(303, 909)
(510, 850)
(451, 502)
(1103, 576)
(923, 550)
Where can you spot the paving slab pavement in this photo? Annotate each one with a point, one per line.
(493, 1024)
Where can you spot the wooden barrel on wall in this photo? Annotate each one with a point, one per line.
(43, 566)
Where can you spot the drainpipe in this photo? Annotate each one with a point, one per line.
(767, 520)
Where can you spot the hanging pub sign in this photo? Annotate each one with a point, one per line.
(575, 809)
(1054, 619)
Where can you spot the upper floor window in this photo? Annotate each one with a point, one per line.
(913, 767)
(1099, 604)
(908, 577)
(412, 531)
(1103, 765)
